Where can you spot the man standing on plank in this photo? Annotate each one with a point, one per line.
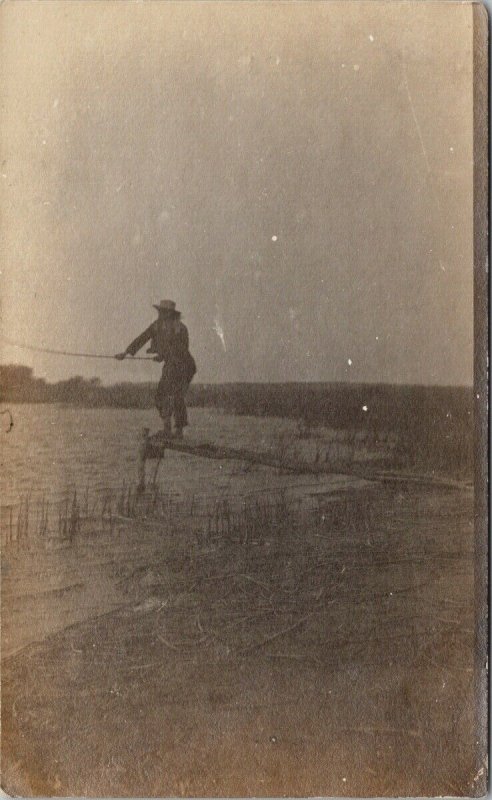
(169, 339)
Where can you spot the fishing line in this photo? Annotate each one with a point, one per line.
(67, 352)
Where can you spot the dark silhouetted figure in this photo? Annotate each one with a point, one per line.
(170, 341)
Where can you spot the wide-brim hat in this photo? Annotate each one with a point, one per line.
(167, 305)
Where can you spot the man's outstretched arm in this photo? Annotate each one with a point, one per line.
(137, 343)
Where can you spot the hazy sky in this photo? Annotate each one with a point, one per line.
(297, 176)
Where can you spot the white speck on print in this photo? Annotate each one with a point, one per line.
(220, 332)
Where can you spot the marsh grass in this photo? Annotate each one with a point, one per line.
(46, 522)
(340, 618)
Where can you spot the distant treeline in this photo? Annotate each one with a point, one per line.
(338, 405)
(19, 385)
(434, 419)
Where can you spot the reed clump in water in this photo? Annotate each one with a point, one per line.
(79, 514)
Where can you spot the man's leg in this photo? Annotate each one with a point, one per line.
(165, 412)
(163, 401)
(180, 413)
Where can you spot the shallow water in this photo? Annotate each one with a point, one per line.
(53, 448)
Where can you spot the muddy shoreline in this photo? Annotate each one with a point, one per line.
(324, 658)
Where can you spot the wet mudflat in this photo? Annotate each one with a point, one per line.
(316, 651)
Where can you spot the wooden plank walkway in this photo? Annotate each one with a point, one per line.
(154, 447)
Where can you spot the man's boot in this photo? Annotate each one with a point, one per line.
(178, 433)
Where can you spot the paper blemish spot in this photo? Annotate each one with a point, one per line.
(220, 332)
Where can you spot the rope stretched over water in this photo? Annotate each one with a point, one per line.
(67, 352)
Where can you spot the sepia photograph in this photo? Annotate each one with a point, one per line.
(243, 398)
